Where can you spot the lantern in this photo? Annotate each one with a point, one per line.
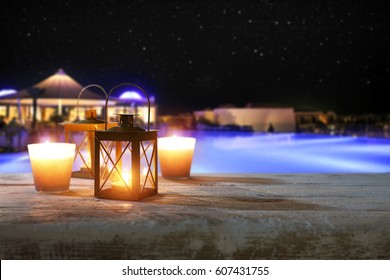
(82, 133)
(126, 158)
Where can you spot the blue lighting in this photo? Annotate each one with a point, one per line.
(235, 152)
(5, 92)
(131, 95)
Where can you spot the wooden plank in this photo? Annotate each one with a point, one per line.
(215, 216)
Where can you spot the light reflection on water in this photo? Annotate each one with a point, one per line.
(228, 152)
(244, 152)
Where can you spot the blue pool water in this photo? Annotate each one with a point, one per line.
(228, 152)
(235, 152)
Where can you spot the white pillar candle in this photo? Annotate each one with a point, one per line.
(175, 156)
(51, 165)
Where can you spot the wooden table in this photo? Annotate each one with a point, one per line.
(235, 216)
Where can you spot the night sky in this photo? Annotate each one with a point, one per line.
(312, 55)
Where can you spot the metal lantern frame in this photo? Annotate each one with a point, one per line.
(140, 147)
(88, 127)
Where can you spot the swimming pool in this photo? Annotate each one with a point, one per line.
(244, 152)
(231, 152)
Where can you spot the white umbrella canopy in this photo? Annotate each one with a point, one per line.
(60, 86)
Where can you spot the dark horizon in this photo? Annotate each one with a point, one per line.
(197, 55)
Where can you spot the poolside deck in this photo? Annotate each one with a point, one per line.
(235, 216)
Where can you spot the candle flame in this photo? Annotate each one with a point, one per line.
(126, 177)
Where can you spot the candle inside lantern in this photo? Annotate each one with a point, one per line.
(123, 185)
(175, 156)
(51, 165)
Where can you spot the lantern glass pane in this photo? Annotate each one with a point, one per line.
(148, 164)
(82, 158)
(117, 165)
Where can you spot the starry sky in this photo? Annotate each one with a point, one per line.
(191, 55)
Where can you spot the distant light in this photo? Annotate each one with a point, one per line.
(5, 92)
(132, 95)
(60, 72)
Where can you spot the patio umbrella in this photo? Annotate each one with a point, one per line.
(60, 89)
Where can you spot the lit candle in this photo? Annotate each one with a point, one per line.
(51, 165)
(123, 185)
(175, 156)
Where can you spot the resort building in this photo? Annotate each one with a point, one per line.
(57, 98)
(37, 111)
(315, 121)
(272, 119)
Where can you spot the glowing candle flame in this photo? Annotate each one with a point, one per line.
(127, 177)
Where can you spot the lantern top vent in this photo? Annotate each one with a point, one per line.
(126, 124)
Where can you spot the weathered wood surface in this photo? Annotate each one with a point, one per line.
(258, 216)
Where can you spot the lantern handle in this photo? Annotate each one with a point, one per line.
(82, 91)
(128, 84)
